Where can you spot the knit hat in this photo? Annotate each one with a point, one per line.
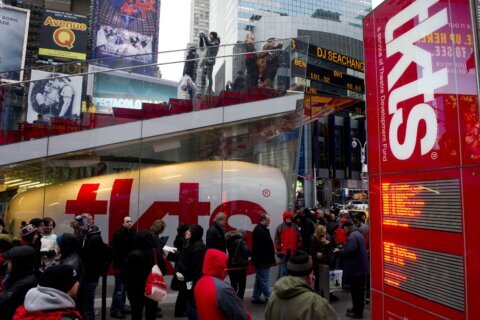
(36, 222)
(82, 222)
(300, 264)
(27, 230)
(61, 277)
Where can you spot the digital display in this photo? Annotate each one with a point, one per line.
(332, 77)
(431, 275)
(336, 58)
(433, 205)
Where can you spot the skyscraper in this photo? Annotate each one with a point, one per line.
(199, 19)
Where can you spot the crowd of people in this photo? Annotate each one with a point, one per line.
(47, 275)
(258, 67)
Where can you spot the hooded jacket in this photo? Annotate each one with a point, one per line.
(191, 260)
(287, 236)
(293, 299)
(47, 303)
(19, 281)
(215, 298)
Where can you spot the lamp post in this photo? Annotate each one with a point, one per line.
(364, 173)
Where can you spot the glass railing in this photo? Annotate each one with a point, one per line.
(64, 98)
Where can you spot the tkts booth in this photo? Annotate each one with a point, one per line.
(424, 159)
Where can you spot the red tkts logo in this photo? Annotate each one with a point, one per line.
(138, 8)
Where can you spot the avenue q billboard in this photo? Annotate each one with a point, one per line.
(64, 36)
(126, 29)
(424, 159)
(13, 31)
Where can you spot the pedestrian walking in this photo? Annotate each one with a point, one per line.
(122, 244)
(263, 258)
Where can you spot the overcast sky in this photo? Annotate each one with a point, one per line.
(175, 33)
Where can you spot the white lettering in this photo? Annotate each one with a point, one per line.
(425, 85)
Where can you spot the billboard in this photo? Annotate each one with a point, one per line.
(54, 97)
(424, 159)
(126, 28)
(64, 36)
(13, 30)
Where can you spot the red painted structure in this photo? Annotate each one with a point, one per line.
(424, 160)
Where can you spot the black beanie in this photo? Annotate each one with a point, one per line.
(196, 232)
(61, 277)
(300, 264)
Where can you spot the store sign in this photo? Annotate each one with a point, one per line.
(424, 159)
(64, 36)
(337, 58)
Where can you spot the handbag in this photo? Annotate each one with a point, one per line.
(155, 286)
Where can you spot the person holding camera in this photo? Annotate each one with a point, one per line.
(212, 43)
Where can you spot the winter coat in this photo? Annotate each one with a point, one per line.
(212, 49)
(191, 260)
(308, 228)
(263, 251)
(19, 281)
(94, 256)
(293, 299)
(69, 247)
(355, 255)
(47, 303)
(215, 298)
(287, 236)
(139, 263)
(216, 237)
(190, 68)
(238, 250)
(326, 249)
(122, 244)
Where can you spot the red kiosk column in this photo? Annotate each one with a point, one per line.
(424, 160)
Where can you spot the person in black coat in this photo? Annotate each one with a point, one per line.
(190, 68)
(122, 244)
(20, 278)
(181, 243)
(137, 267)
(238, 254)
(263, 257)
(216, 233)
(69, 246)
(190, 266)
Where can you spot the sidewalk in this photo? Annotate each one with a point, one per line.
(256, 310)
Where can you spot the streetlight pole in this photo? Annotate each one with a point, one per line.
(364, 172)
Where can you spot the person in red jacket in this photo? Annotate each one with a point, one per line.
(287, 241)
(215, 298)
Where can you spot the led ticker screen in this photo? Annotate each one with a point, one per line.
(431, 275)
(336, 57)
(332, 77)
(432, 205)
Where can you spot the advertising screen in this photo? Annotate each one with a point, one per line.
(64, 36)
(126, 28)
(424, 159)
(13, 30)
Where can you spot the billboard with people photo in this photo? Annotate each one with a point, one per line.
(13, 30)
(126, 28)
(53, 96)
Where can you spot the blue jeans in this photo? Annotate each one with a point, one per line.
(119, 296)
(283, 266)
(262, 284)
(89, 300)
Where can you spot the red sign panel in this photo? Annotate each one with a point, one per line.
(423, 128)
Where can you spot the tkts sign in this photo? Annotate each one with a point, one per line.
(420, 50)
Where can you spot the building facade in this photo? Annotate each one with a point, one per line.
(199, 19)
